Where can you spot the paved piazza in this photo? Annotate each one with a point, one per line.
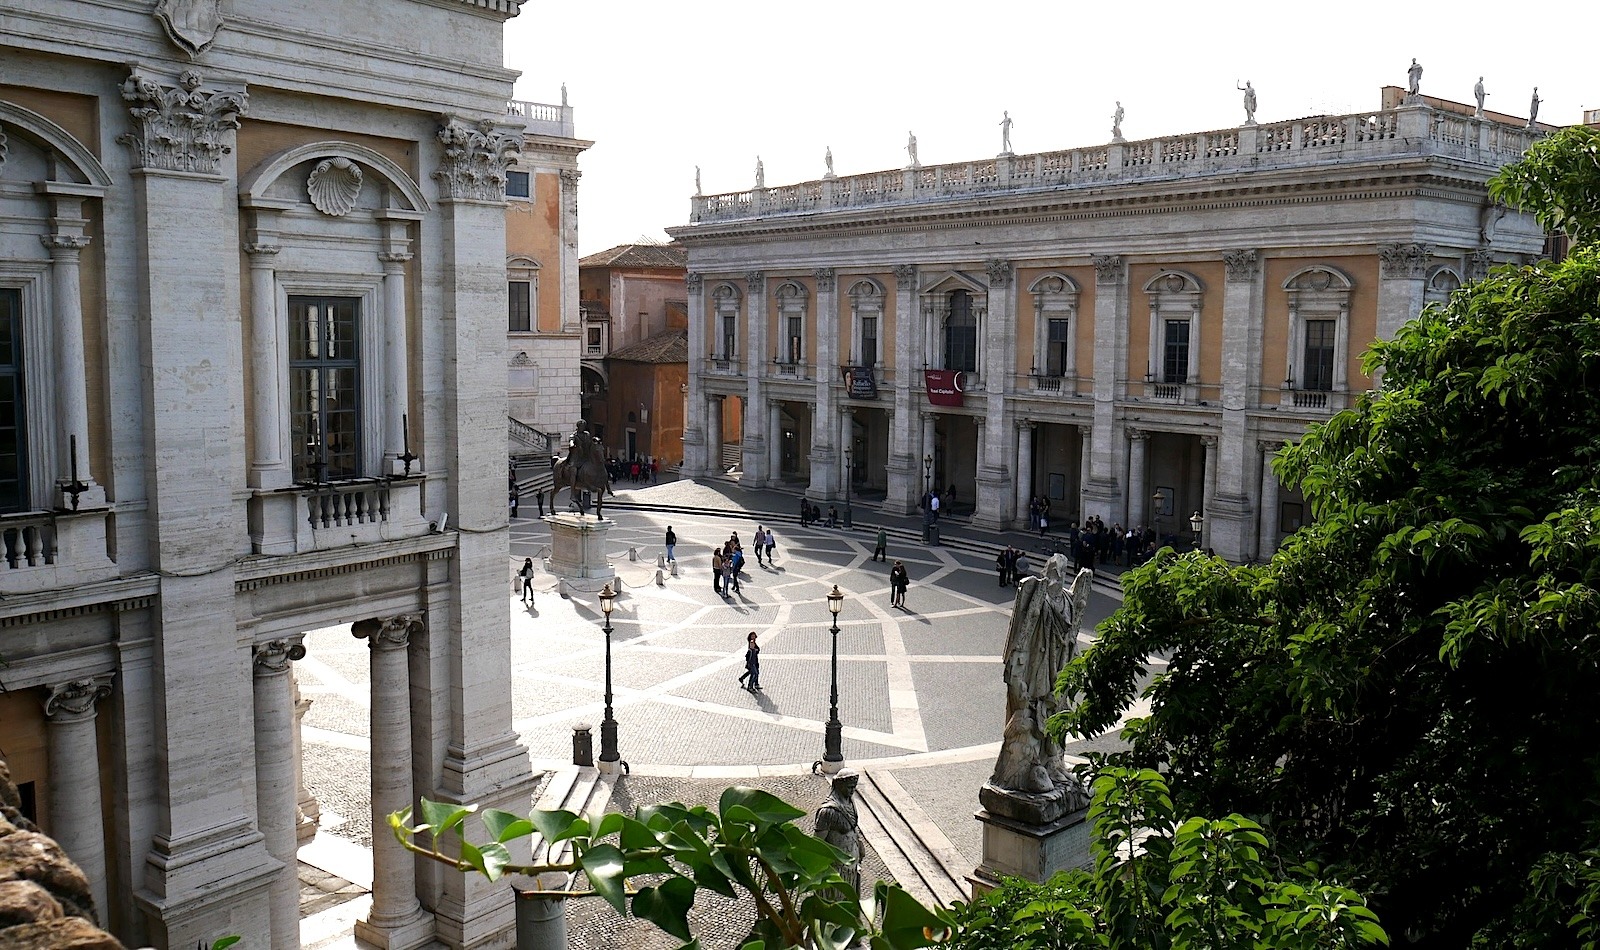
(920, 689)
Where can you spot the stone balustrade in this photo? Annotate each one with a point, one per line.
(1363, 136)
(543, 118)
(27, 540)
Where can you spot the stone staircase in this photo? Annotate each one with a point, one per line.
(913, 849)
(582, 790)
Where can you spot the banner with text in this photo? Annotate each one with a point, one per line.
(944, 386)
(859, 382)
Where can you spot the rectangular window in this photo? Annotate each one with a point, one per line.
(13, 441)
(869, 341)
(324, 387)
(796, 346)
(730, 335)
(1055, 360)
(961, 334)
(520, 295)
(594, 341)
(1318, 369)
(517, 185)
(1175, 354)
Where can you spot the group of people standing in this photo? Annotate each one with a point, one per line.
(727, 561)
(638, 469)
(1039, 514)
(1010, 565)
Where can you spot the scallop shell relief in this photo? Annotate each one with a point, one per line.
(333, 186)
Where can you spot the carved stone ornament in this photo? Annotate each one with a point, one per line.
(693, 282)
(180, 128)
(1242, 265)
(387, 632)
(756, 281)
(521, 359)
(905, 272)
(1478, 264)
(1109, 268)
(1405, 260)
(475, 160)
(999, 273)
(2, 149)
(333, 186)
(274, 656)
(825, 280)
(65, 245)
(76, 700)
(192, 25)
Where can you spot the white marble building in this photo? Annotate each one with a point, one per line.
(252, 271)
(1130, 319)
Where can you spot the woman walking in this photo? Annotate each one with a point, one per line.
(527, 580)
(752, 664)
(899, 580)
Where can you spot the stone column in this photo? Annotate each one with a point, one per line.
(1229, 509)
(72, 401)
(396, 919)
(1267, 539)
(774, 443)
(1024, 456)
(76, 821)
(753, 444)
(846, 444)
(714, 435)
(1085, 458)
(997, 342)
(1102, 495)
(276, 785)
(268, 469)
(1209, 491)
(904, 465)
(1138, 444)
(308, 811)
(695, 460)
(824, 452)
(396, 379)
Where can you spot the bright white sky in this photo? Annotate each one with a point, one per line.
(664, 85)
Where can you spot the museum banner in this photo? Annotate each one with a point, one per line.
(860, 383)
(944, 386)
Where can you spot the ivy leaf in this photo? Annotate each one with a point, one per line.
(503, 826)
(441, 817)
(603, 864)
(667, 906)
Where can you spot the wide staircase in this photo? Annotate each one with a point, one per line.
(916, 853)
(532, 453)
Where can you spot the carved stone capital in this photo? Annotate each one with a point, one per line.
(756, 281)
(475, 159)
(74, 701)
(396, 258)
(260, 249)
(387, 633)
(1269, 446)
(64, 245)
(825, 279)
(1209, 441)
(1109, 268)
(693, 282)
(181, 128)
(1026, 425)
(569, 180)
(999, 273)
(1478, 263)
(274, 656)
(1242, 264)
(905, 272)
(1405, 260)
(1138, 435)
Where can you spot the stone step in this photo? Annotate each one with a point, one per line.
(582, 790)
(913, 849)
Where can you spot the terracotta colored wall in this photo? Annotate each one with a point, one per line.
(76, 114)
(259, 141)
(22, 736)
(533, 229)
(1363, 273)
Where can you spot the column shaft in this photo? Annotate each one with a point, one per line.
(1024, 472)
(74, 752)
(396, 381)
(1138, 444)
(774, 442)
(276, 785)
(1268, 540)
(1209, 491)
(267, 469)
(72, 400)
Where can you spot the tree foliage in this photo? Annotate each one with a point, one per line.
(1409, 691)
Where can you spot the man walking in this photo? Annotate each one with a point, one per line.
(527, 580)
(878, 552)
(759, 542)
(899, 580)
(672, 542)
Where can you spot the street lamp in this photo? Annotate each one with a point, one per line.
(833, 736)
(848, 477)
(1155, 512)
(608, 725)
(927, 474)
(1196, 522)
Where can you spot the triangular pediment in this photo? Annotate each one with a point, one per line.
(954, 280)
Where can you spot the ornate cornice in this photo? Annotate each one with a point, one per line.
(387, 633)
(74, 701)
(180, 128)
(1242, 264)
(274, 656)
(475, 159)
(999, 273)
(825, 280)
(1405, 260)
(1109, 268)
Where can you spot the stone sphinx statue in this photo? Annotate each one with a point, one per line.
(1031, 782)
(583, 470)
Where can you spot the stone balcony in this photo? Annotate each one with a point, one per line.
(50, 550)
(1408, 131)
(543, 118)
(304, 518)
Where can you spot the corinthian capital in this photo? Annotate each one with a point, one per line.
(756, 281)
(1405, 260)
(1242, 265)
(999, 273)
(475, 159)
(825, 280)
(1109, 268)
(181, 127)
(75, 700)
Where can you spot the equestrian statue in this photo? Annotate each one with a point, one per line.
(583, 470)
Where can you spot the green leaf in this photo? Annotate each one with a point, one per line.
(636, 834)
(503, 826)
(223, 943)
(440, 817)
(767, 809)
(906, 923)
(553, 826)
(610, 824)
(603, 865)
(495, 859)
(667, 906)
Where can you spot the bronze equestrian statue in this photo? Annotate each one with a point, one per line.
(583, 470)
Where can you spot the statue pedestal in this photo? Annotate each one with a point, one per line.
(578, 550)
(1034, 852)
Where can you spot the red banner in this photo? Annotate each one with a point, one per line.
(944, 386)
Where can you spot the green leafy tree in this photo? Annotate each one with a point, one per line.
(1408, 693)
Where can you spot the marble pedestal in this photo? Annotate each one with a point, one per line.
(578, 550)
(1034, 852)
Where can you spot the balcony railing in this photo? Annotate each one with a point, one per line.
(727, 366)
(542, 118)
(792, 370)
(305, 518)
(347, 506)
(28, 541)
(1363, 136)
(1312, 400)
(1046, 383)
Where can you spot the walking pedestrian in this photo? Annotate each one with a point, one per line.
(527, 580)
(772, 546)
(752, 664)
(879, 552)
(716, 570)
(730, 579)
(899, 580)
(672, 542)
(758, 542)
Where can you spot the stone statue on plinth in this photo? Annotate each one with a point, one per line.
(1533, 108)
(583, 470)
(1414, 82)
(911, 150)
(761, 173)
(827, 159)
(1116, 123)
(1478, 94)
(839, 825)
(1005, 133)
(1249, 102)
(1031, 783)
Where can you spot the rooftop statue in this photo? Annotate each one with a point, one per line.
(1478, 94)
(1116, 123)
(1249, 102)
(911, 149)
(761, 173)
(1414, 77)
(1005, 134)
(827, 159)
(1533, 108)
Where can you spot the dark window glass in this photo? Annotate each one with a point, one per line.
(13, 436)
(1175, 355)
(796, 345)
(516, 184)
(961, 334)
(1056, 349)
(869, 341)
(1318, 373)
(520, 294)
(324, 387)
(730, 335)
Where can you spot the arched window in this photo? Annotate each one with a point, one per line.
(866, 318)
(961, 333)
(790, 351)
(1319, 328)
(1055, 310)
(725, 302)
(1174, 361)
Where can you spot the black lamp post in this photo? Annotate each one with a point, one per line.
(1196, 523)
(833, 735)
(849, 475)
(608, 725)
(1155, 513)
(927, 474)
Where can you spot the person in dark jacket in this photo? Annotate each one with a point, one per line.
(752, 664)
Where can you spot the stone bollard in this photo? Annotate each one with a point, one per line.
(582, 744)
(674, 568)
(661, 560)
(633, 554)
(661, 579)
